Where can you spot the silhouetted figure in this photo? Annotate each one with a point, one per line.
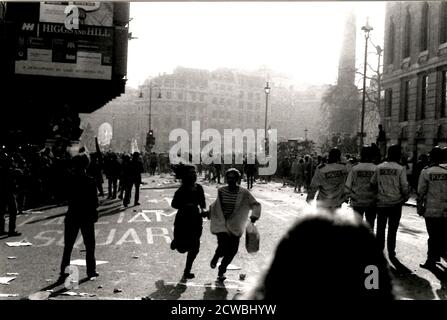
(335, 257)
(7, 196)
(381, 142)
(189, 199)
(81, 215)
(112, 172)
(132, 177)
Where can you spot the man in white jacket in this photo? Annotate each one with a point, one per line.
(229, 216)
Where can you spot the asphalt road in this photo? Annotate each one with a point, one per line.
(134, 258)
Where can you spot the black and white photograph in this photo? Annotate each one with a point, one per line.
(223, 151)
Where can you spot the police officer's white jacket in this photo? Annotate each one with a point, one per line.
(329, 180)
(359, 187)
(391, 180)
(432, 186)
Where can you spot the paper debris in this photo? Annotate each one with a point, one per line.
(8, 295)
(100, 287)
(153, 201)
(12, 274)
(12, 258)
(40, 295)
(81, 262)
(232, 267)
(135, 257)
(117, 290)
(70, 293)
(6, 280)
(22, 243)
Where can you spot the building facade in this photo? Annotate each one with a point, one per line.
(415, 75)
(219, 99)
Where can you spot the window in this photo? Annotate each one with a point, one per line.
(168, 95)
(258, 96)
(404, 101)
(390, 48)
(179, 122)
(444, 94)
(215, 100)
(229, 103)
(443, 22)
(221, 101)
(241, 103)
(180, 96)
(193, 96)
(423, 89)
(250, 95)
(202, 97)
(241, 94)
(424, 28)
(388, 102)
(258, 106)
(407, 35)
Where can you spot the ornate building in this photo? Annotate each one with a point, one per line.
(415, 75)
(219, 99)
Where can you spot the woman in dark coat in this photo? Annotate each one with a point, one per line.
(189, 199)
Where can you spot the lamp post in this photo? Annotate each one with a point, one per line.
(267, 92)
(150, 109)
(367, 29)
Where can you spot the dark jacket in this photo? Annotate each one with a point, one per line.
(82, 199)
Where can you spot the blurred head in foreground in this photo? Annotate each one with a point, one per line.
(326, 257)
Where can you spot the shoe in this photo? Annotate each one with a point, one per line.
(430, 265)
(221, 278)
(3, 233)
(136, 204)
(62, 278)
(173, 246)
(213, 263)
(93, 275)
(188, 275)
(14, 234)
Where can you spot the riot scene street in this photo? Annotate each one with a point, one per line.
(199, 163)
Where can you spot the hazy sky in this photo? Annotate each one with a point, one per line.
(302, 39)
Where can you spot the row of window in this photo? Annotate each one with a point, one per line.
(424, 32)
(422, 94)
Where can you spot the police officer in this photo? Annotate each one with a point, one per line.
(432, 205)
(390, 179)
(358, 188)
(329, 180)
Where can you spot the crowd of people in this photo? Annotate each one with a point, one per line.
(376, 187)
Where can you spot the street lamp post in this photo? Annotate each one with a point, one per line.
(267, 92)
(367, 29)
(150, 109)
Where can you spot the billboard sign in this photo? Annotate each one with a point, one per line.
(92, 13)
(50, 49)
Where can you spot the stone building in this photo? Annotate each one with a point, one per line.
(219, 99)
(415, 75)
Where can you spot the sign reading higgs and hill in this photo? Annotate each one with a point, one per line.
(48, 48)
